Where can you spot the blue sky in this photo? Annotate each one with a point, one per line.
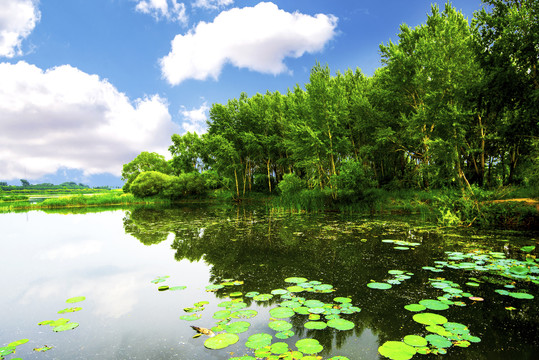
(87, 85)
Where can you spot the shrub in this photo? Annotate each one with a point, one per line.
(150, 183)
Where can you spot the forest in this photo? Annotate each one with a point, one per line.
(454, 107)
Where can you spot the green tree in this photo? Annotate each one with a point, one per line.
(145, 161)
(185, 151)
(25, 183)
(150, 183)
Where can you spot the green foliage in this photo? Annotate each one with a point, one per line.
(150, 183)
(145, 161)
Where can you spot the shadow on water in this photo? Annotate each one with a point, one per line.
(347, 252)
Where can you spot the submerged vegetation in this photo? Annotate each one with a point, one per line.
(453, 109)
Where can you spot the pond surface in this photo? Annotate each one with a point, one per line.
(112, 257)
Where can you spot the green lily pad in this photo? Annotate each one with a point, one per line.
(18, 342)
(244, 314)
(176, 288)
(429, 319)
(262, 297)
(214, 287)
(302, 310)
(191, 317)
(341, 324)
(295, 280)
(323, 287)
(163, 288)
(438, 341)
(68, 310)
(521, 295)
(414, 307)
(281, 312)
(237, 327)
(221, 314)
(75, 299)
(380, 286)
(295, 289)
(43, 349)
(6, 350)
(315, 325)
(527, 248)
(258, 341)
(284, 334)
(397, 350)
(252, 294)
(415, 340)
(280, 325)
(65, 327)
(342, 300)
(279, 348)
(433, 304)
(519, 270)
(309, 346)
(221, 341)
(279, 291)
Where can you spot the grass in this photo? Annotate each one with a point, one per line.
(107, 199)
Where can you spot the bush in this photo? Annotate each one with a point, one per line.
(150, 183)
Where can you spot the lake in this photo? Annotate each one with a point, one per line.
(328, 270)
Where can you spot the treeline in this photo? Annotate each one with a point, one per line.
(454, 106)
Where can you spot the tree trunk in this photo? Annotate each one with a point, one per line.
(269, 175)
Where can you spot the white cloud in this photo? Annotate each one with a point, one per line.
(17, 20)
(63, 117)
(195, 119)
(170, 10)
(212, 4)
(257, 38)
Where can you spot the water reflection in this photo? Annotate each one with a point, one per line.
(347, 252)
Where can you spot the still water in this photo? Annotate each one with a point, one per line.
(111, 257)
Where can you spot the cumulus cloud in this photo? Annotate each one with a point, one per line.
(195, 119)
(212, 4)
(17, 20)
(65, 118)
(170, 10)
(257, 38)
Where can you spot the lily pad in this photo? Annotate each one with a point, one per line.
(176, 288)
(315, 325)
(309, 346)
(262, 297)
(438, 341)
(237, 327)
(18, 342)
(279, 348)
(397, 350)
(191, 317)
(430, 319)
(295, 280)
(75, 299)
(433, 304)
(280, 325)
(65, 327)
(221, 341)
(415, 340)
(258, 341)
(414, 307)
(521, 295)
(341, 324)
(244, 314)
(68, 310)
(380, 286)
(284, 334)
(281, 312)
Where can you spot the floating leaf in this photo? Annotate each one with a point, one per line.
(258, 341)
(438, 341)
(237, 327)
(295, 280)
(284, 334)
(527, 248)
(281, 312)
(279, 292)
(244, 314)
(295, 288)
(415, 340)
(43, 349)
(323, 287)
(176, 288)
(279, 348)
(380, 286)
(414, 307)
(65, 327)
(316, 325)
(342, 300)
(163, 288)
(397, 350)
(429, 319)
(221, 314)
(18, 342)
(236, 294)
(521, 295)
(262, 297)
(191, 317)
(280, 325)
(341, 324)
(214, 287)
(75, 299)
(221, 341)
(433, 304)
(309, 346)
